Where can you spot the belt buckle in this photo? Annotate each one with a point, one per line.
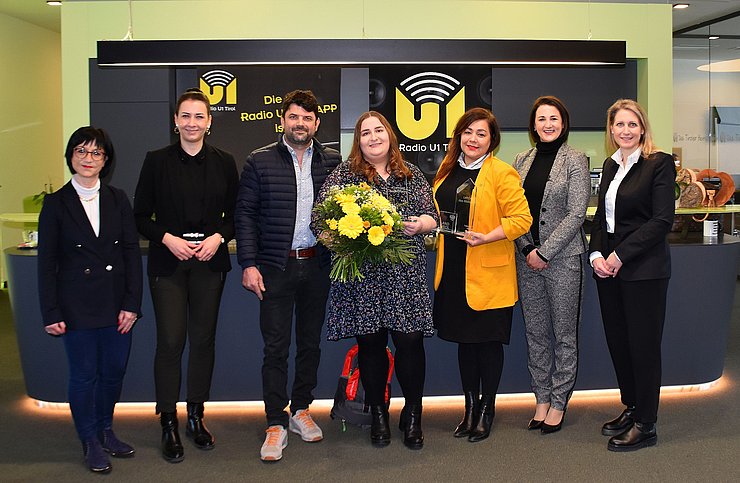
(298, 253)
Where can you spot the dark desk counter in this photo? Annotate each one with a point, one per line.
(700, 299)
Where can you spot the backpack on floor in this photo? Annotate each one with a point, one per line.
(349, 400)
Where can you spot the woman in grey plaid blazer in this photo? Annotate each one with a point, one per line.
(550, 259)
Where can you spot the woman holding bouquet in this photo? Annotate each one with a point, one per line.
(475, 280)
(390, 298)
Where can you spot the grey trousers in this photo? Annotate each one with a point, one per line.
(551, 303)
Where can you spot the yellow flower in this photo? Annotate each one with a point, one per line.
(387, 219)
(365, 186)
(350, 208)
(350, 226)
(332, 223)
(375, 235)
(387, 229)
(343, 198)
(366, 224)
(380, 202)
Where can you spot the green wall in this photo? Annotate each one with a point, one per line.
(645, 27)
(31, 127)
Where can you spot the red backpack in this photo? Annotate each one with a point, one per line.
(349, 400)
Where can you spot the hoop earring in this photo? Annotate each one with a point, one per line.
(177, 129)
(208, 131)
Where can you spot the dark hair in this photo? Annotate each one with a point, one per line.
(557, 104)
(91, 135)
(358, 164)
(454, 149)
(304, 99)
(193, 94)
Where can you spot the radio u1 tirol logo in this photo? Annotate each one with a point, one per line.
(431, 91)
(218, 86)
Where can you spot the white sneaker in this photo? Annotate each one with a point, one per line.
(302, 423)
(275, 441)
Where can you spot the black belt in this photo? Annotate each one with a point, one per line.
(303, 253)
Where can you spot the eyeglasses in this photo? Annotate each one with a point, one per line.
(95, 154)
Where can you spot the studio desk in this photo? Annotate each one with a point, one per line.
(700, 298)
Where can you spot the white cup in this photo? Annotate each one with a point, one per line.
(711, 228)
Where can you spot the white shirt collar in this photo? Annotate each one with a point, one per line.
(631, 159)
(474, 165)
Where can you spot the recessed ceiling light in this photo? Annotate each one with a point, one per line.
(54, 3)
(713, 37)
(680, 6)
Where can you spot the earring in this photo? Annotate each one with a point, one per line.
(177, 129)
(208, 131)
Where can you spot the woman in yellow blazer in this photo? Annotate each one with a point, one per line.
(483, 210)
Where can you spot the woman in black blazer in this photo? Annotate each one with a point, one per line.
(184, 205)
(631, 260)
(89, 273)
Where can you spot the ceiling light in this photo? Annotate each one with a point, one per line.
(722, 66)
(713, 37)
(54, 3)
(680, 6)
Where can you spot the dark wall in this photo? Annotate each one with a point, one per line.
(134, 106)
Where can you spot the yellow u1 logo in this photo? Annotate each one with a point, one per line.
(429, 90)
(217, 85)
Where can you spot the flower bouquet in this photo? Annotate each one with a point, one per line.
(360, 225)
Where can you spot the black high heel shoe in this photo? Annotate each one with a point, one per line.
(410, 424)
(535, 424)
(380, 430)
(552, 428)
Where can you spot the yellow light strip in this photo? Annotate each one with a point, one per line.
(689, 390)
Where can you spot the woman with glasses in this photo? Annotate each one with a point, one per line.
(482, 211)
(184, 205)
(90, 282)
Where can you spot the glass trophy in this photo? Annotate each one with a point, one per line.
(456, 222)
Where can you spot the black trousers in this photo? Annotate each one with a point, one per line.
(301, 288)
(633, 314)
(186, 305)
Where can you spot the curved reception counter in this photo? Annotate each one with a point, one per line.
(700, 298)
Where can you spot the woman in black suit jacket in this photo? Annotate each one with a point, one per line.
(631, 260)
(90, 278)
(184, 205)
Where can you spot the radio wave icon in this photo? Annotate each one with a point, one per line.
(430, 86)
(218, 78)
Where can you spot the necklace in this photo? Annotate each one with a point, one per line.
(87, 200)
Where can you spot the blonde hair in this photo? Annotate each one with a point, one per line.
(646, 138)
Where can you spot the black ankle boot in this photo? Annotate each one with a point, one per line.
(484, 419)
(468, 421)
(410, 424)
(380, 430)
(620, 424)
(196, 429)
(172, 449)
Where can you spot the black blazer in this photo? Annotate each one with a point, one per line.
(159, 192)
(644, 211)
(86, 280)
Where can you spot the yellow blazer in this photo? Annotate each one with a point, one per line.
(490, 271)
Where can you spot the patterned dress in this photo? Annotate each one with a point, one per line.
(395, 297)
